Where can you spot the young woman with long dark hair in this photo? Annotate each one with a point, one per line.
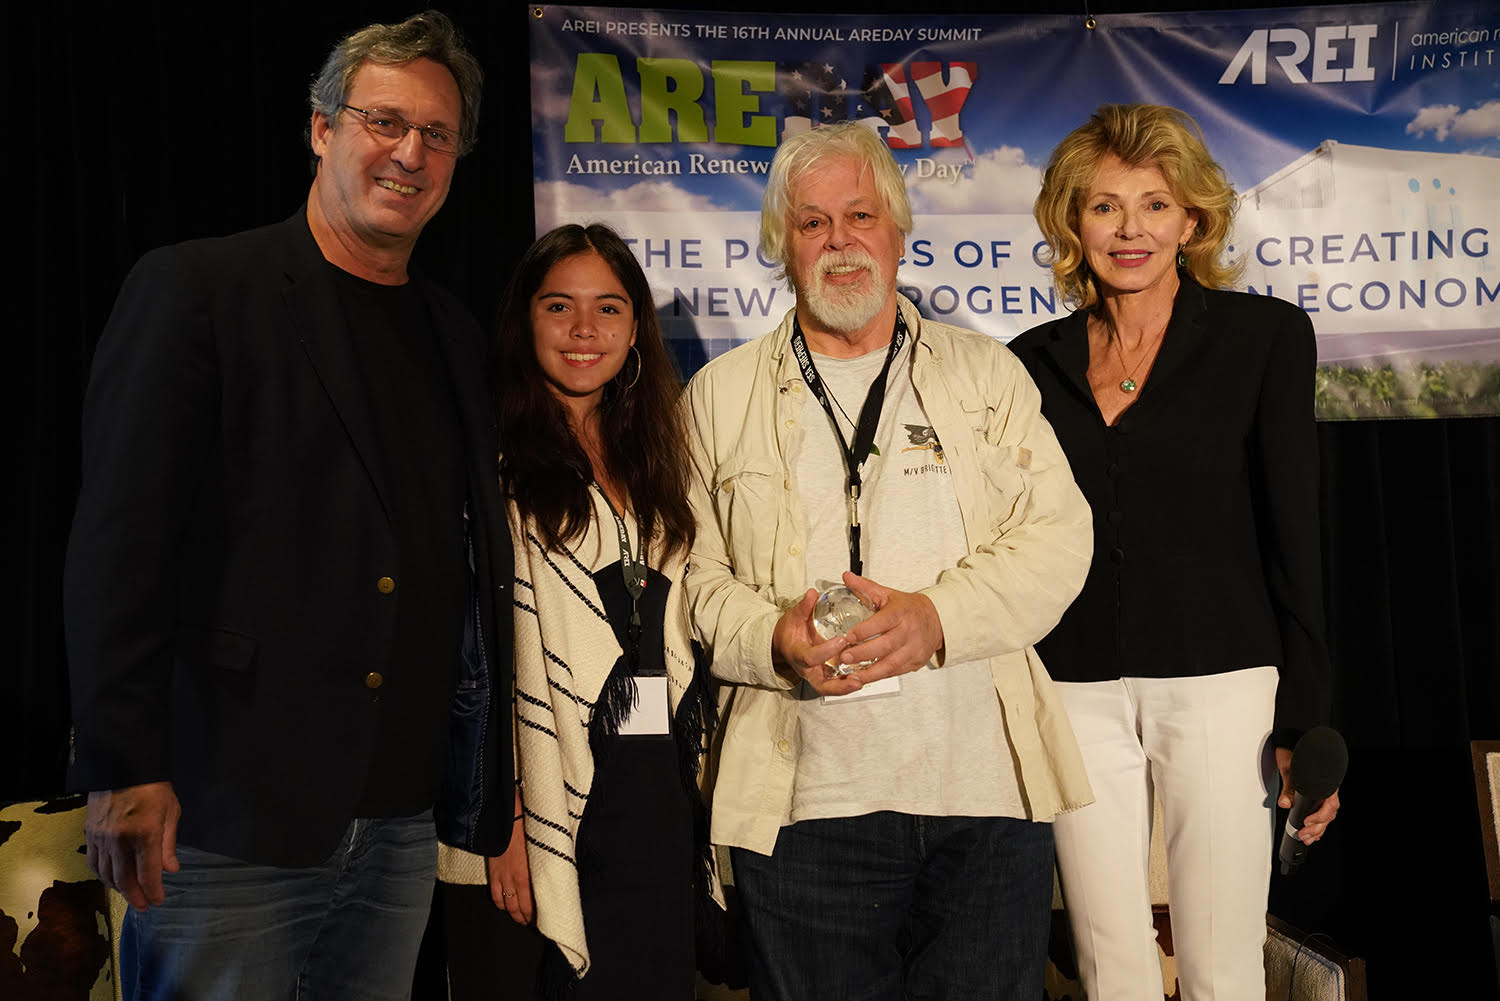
(609, 846)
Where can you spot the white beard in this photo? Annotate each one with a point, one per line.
(845, 310)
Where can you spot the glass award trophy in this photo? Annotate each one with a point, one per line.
(839, 610)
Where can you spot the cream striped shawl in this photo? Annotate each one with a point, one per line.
(564, 651)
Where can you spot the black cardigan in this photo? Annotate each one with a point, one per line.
(1205, 501)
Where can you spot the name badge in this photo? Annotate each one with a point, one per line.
(885, 686)
(649, 716)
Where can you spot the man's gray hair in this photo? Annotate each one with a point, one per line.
(428, 35)
(806, 151)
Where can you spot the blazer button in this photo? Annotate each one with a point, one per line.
(1117, 556)
(374, 679)
(385, 585)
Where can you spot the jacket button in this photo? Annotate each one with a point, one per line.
(790, 423)
(385, 585)
(783, 746)
(794, 550)
(374, 679)
(1117, 556)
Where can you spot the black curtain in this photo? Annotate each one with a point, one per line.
(1411, 558)
(157, 122)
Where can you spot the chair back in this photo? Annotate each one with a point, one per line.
(1486, 755)
(55, 915)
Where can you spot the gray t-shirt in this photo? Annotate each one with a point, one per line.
(935, 743)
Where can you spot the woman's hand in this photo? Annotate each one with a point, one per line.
(510, 875)
(1315, 823)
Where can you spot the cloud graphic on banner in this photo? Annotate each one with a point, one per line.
(551, 90)
(1444, 120)
(1482, 122)
(998, 182)
(563, 201)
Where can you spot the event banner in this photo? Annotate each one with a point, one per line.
(1363, 140)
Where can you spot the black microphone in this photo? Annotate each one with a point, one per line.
(1318, 764)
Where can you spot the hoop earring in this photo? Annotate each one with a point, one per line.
(637, 378)
(1182, 261)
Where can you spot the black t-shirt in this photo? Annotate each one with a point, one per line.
(421, 439)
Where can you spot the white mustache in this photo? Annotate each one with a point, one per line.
(846, 260)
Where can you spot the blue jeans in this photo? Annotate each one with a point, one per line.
(346, 929)
(888, 906)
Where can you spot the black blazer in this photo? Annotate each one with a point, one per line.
(1205, 500)
(231, 577)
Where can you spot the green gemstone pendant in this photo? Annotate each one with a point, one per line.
(1128, 385)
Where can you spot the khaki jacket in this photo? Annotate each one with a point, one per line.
(1027, 527)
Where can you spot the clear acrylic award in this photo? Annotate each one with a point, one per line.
(839, 610)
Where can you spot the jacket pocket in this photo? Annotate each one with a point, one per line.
(1007, 471)
(748, 498)
(466, 788)
(464, 791)
(203, 646)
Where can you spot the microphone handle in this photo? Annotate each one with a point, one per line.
(1293, 852)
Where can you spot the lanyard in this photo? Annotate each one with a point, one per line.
(633, 569)
(864, 431)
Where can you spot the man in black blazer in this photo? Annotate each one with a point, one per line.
(288, 554)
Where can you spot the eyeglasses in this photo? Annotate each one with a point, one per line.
(392, 126)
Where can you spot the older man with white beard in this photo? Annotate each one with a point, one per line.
(885, 793)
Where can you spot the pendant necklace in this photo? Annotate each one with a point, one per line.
(1128, 384)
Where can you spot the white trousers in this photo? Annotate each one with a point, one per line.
(1201, 744)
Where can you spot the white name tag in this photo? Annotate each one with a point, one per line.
(650, 715)
(885, 686)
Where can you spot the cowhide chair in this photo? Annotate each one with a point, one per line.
(58, 924)
(1486, 755)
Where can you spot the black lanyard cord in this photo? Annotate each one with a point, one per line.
(864, 430)
(633, 569)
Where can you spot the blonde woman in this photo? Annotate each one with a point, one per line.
(1194, 655)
